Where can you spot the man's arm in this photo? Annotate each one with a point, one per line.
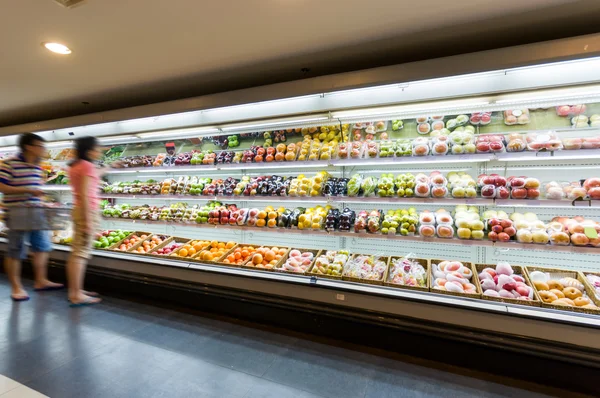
(7, 189)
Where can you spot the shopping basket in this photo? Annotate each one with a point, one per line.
(38, 218)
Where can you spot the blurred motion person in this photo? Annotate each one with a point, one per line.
(85, 183)
(21, 180)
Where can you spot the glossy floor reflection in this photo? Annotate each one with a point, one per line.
(127, 349)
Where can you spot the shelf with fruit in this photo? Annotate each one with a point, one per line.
(452, 188)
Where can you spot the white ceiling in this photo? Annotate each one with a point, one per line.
(130, 51)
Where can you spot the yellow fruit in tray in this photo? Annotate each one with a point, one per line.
(272, 214)
(261, 222)
(230, 245)
(182, 252)
(314, 193)
(301, 157)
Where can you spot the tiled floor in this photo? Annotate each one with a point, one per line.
(127, 349)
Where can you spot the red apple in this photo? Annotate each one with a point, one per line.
(518, 193)
(523, 291)
(510, 231)
(533, 193)
(510, 286)
(494, 237)
(493, 221)
(502, 193)
(483, 147)
(488, 191)
(517, 182)
(496, 146)
(488, 180)
(500, 181)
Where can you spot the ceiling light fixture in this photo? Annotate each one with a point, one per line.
(57, 48)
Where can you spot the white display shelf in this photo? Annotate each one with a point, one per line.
(364, 235)
(374, 200)
(591, 154)
(52, 188)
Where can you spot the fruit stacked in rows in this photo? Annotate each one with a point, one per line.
(313, 218)
(149, 244)
(298, 261)
(336, 187)
(266, 257)
(105, 239)
(366, 267)
(214, 250)
(453, 276)
(131, 241)
(405, 185)
(500, 229)
(240, 255)
(190, 249)
(438, 223)
(434, 185)
(499, 187)
(407, 272)
(529, 229)
(385, 185)
(577, 230)
(461, 185)
(331, 263)
(565, 292)
(403, 221)
(468, 223)
(168, 249)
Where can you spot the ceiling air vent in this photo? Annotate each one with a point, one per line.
(69, 3)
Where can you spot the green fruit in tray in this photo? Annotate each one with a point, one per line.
(397, 125)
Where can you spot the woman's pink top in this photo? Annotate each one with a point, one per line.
(77, 173)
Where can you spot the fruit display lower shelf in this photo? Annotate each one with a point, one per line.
(372, 199)
(364, 235)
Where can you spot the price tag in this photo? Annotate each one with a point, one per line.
(340, 297)
(544, 154)
(581, 203)
(590, 232)
(534, 202)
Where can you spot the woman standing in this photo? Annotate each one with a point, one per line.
(85, 180)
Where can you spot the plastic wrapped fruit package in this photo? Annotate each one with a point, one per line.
(439, 191)
(445, 231)
(331, 263)
(406, 271)
(315, 150)
(439, 148)
(570, 110)
(387, 148)
(490, 144)
(540, 236)
(374, 221)
(423, 128)
(548, 141)
(453, 276)
(502, 281)
(572, 143)
(575, 191)
(437, 125)
(403, 147)
(436, 178)
(427, 218)
(422, 178)
(500, 229)
(356, 149)
(488, 191)
(385, 186)
(368, 186)
(443, 217)
(405, 185)
(326, 153)
(366, 267)
(481, 118)
(594, 282)
(580, 121)
(516, 116)
(516, 182)
(592, 186)
(420, 147)
(347, 219)
(516, 143)
(360, 223)
(591, 143)
(422, 190)
(560, 238)
(354, 185)
(554, 190)
(372, 149)
(343, 150)
(298, 261)
(427, 231)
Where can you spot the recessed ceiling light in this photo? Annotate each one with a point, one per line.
(57, 48)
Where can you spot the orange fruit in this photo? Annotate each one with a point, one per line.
(214, 243)
(191, 251)
(230, 245)
(221, 245)
(182, 252)
(198, 247)
(257, 259)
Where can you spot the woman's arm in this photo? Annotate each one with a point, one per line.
(84, 201)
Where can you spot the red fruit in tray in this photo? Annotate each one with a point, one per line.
(486, 118)
(494, 237)
(493, 221)
(496, 146)
(488, 180)
(533, 193)
(591, 183)
(500, 181)
(517, 182)
(510, 231)
(488, 191)
(519, 193)
(483, 146)
(594, 193)
(502, 193)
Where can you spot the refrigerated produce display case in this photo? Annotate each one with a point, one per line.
(470, 201)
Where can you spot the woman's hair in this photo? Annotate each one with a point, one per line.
(82, 146)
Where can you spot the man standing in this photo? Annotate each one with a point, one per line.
(21, 180)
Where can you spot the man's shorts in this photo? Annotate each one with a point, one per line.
(39, 241)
